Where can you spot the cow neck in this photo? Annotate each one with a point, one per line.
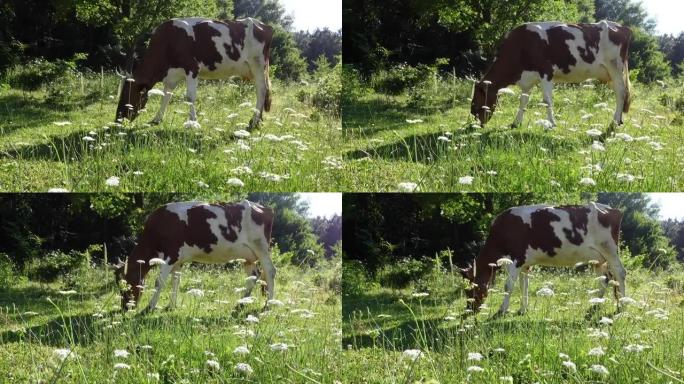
(147, 74)
(499, 78)
(136, 272)
(481, 268)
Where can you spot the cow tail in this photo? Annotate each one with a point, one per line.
(628, 87)
(267, 54)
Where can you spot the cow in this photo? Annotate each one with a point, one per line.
(199, 48)
(556, 236)
(184, 232)
(549, 52)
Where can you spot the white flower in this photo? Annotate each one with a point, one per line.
(563, 356)
(598, 351)
(407, 186)
(412, 354)
(61, 123)
(196, 292)
(244, 368)
(596, 146)
(506, 91)
(570, 365)
(113, 181)
(545, 292)
(279, 347)
(594, 132)
(242, 134)
(140, 261)
(121, 366)
(242, 170)
(155, 92)
(88, 138)
(475, 356)
(420, 294)
(414, 121)
(606, 321)
(627, 300)
(587, 181)
(235, 182)
(121, 353)
(600, 369)
(465, 180)
(153, 376)
(192, 124)
(157, 261)
(597, 300)
(504, 262)
(275, 302)
(624, 137)
(241, 350)
(544, 123)
(487, 82)
(246, 300)
(272, 177)
(67, 293)
(600, 105)
(636, 348)
(506, 379)
(213, 364)
(58, 190)
(64, 353)
(246, 104)
(443, 138)
(626, 177)
(252, 319)
(492, 173)
(475, 368)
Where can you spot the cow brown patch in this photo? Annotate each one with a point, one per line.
(541, 234)
(611, 218)
(579, 217)
(264, 34)
(198, 231)
(620, 36)
(265, 218)
(204, 48)
(557, 50)
(591, 35)
(237, 38)
(233, 219)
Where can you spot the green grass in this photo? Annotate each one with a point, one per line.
(295, 142)
(379, 325)
(383, 149)
(36, 320)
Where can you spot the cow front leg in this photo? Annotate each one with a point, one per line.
(547, 90)
(191, 94)
(262, 89)
(524, 288)
(176, 284)
(513, 272)
(524, 100)
(164, 272)
(168, 87)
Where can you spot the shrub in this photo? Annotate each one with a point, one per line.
(35, 74)
(326, 93)
(7, 275)
(354, 278)
(56, 264)
(401, 77)
(352, 85)
(399, 275)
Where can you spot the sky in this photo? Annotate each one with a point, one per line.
(667, 14)
(323, 204)
(671, 205)
(312, 14)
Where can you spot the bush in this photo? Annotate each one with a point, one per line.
(352, 85)
(35, 74)
(401, 274)
(354, 278)
(57, 264)
(401, 77)
(7, 275)
(326, 93)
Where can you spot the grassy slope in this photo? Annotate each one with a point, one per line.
(385, 150)
(182, 340)
(36, 154)
(374, 343)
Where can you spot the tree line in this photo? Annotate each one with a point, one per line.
(36, 227)
(463, 35)
(385, 230)
(114, 33)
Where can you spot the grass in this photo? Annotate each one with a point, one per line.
(42, 142)
(173, 346)
(432, 141)
(379, 325)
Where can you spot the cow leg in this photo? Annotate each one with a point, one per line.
(176, 283)
(547, 90)
(261, 89)
(269, 270)
(191, 95)
(513, 272)
(168, 87)
(524, 99)
(164, 272)
(618, 83)
(251, 270)
(524, 288)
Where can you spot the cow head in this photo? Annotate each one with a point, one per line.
(132, 98)
(479, 284)
(484, 101)
(128, 281)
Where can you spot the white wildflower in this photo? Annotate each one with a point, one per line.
(196, 292)
(246, 300)
(244, 368)
(475, 369)
(594, 132)
(120, 366)
(570, 366)
(252, 319)
(121, 353)
(242, 134)
(407, 187)
(502, 262)
(412, 354)
(155, 92)
(600, 369)
(241, 350)
(598, 351)
(157, 261)
(213, 364)
(545, 292)
(474, 356)
(587, 181)
(192, 124)
(465, 180)
(113, 181)
(279, 347)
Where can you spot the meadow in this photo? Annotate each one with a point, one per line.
(73, 330)
(63, 136)
(417, 334)
(426, 140)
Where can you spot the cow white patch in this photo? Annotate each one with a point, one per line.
(187, 24)
(525, 212)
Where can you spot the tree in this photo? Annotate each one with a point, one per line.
(329, 232)
(322, 42)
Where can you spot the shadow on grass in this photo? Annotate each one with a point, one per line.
(371, 116)
(426, 148)
(72, 147)
(401, 331)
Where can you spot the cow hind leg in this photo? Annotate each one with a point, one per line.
(524, 100)
(263, 94)
(191, 94)
(615, 71)
(547, 90)
(513, 272)
(524, 288)
(164, 272)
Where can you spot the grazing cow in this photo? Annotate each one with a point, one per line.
(178, 233)
(561, 236)
(198, 48)
(555, 52)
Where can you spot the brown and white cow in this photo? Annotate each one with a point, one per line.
(198, 48)
(179, 233)
(557, 236)
(549, 52)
